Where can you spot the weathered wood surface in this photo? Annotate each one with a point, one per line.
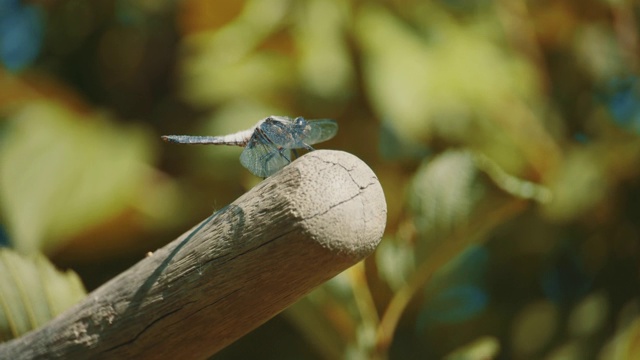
(237, 269)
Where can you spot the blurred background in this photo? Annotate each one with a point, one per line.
(505, 133)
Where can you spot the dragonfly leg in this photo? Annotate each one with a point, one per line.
(295, 153)
(308, 147)
(281, 151)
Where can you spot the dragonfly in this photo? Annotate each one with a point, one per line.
(268, 145)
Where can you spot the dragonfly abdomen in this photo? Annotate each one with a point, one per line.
(238, 139)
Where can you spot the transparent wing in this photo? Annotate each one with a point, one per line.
(262, 157)
(320, 130)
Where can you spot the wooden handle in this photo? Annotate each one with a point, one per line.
(234, 271)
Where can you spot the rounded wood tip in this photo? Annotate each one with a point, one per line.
(339, 202)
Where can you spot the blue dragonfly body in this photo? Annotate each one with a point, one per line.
(269, 144)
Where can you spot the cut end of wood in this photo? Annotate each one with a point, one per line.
(339, 202)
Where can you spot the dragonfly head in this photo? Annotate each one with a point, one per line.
(300, 121)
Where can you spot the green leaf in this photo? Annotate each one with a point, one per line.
(224, 65)
(323, 48)
(32, 292)
(439, 76)
(395, 261)
(62, 172)
(444, 193)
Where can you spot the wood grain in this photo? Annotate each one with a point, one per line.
(237, 269)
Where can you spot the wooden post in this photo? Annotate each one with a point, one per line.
(237, 269)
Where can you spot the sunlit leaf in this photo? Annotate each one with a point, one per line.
(533, 328)
(395, 262)
(212, 81)
(61, 173)
(590, 315)
(436, 77)
(223, 65)
(578, 185)
(597, 49)
(398, 68)
(624, 344)
(466, 6)
(444, 193)
(32, 292)
(484, 348)
(321, 40)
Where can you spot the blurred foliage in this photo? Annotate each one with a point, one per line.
(21, 32)
(505, 133)
(32, 292)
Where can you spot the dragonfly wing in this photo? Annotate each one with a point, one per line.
(262, 157)
(320, 130)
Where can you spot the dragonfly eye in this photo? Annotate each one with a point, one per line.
(300, 121)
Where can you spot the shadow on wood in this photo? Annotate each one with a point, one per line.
(231, 273)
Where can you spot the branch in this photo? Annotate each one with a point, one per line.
(231, 273)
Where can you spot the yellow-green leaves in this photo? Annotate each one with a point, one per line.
(32, 292)
(223, 65)
(437, 75)
(444, 193)
(61, 173)
(324, 60)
